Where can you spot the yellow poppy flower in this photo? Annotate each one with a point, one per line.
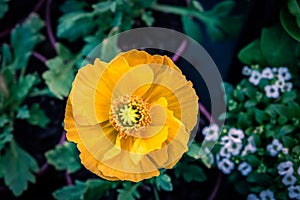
(132, 116)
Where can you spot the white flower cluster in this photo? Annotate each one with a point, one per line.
(286, 170)
(275, 147)
(232, 145)
(278, 78)
(263, 195)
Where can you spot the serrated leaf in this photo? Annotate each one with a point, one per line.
(105, 6)
(96, 189)
(21, 90)
(5, 136)
(129, 192)
(23, 112)
(193, 173)
(59, 77)
(37, 116)
(18, 167)
(191, 28)
(3, 7)
(24, 38)
(74, 25)
(252, 54)
(73, 192)
(147, 18)
(64, 157)
(163, 182)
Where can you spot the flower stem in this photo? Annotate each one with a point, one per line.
(39, 56)
(180, 50)
(156, 195)
(206, 114)
(177, 10)
(217, 187)
(48, 25)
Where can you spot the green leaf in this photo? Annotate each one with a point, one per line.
(163, 182)
(3, 7)
(59, 77)
(252, 160)
(105, 6)
(21, 90)
(3, 120)
(64, 157)
(286, 129)
(73, 192)
(260, 179)
(288, 96)
(37, 116)
(23, 112)
(243, 120)
(193, 173)
(191, 28)
(276, 53)
(5, 136)
(288, 141)
(129, 192)
(224, 8)
(260, 116)
(24, 38)
(252, 54)
(72, 6)
(109, 47)
(18, 167)
(96, 189)
(147, 18)
(74, 25)
(289, 23)
(294, 7)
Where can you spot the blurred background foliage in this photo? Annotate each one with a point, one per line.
(43, 44)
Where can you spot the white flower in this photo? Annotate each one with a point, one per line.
(211, 132)
(246, 71)
(284, 73)
(267, 73)
(225, 140)
(266, 195)
(255, 77)
(287, 87)
(274, 147)
(289, 179)
(274, 69)
(235, 148)
(252, 197)
(299, 171)
(272, 91)
(224, 152)
(236, 135)
(285, 150)
(280, 82)
(245, 168)
(250, 147)
(226, 165)
(294, 192)
(285, 168)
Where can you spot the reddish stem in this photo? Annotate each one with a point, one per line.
(179, 51)
(68, 178)
(206, 114)
(217, 187)
(48, 25)
(36, 9)
(39, 56)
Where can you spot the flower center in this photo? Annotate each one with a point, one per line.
(129, 114)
